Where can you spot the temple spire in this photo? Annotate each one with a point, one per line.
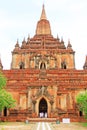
(43, 14)
(43, 25)
(85, 64)
(1, 67)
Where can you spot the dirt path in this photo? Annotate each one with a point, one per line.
(20, 126)
(43, 126)
(70, 126)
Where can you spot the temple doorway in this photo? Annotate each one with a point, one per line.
(5, 111)
(43, 108)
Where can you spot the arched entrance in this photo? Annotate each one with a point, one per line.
(5, 111)
(42, 65)
(43, 108)
(80, 113)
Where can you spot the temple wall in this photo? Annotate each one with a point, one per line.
(68, 58)
(23, 102)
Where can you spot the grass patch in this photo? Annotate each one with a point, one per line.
(12, 123)
(15, 123)
(84, 124)
(3, 123)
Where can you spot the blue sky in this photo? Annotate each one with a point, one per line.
(68, 19)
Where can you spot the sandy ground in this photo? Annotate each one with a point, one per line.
(53, 126)
(71, 126)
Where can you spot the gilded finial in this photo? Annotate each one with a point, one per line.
(43, 14)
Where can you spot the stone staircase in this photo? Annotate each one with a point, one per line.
(23, 119)
(42, 119)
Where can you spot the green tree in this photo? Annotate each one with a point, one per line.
(6, 99)
(2, 81)
(82, 102)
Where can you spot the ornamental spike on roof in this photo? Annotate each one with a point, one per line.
(43, 14)
(43, 25)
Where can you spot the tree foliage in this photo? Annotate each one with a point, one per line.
(82, 102)
(2, 81)
(6, 99)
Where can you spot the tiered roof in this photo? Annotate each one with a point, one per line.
(43, 39)
(64, 79)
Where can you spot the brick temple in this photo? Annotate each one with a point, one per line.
(43, 79)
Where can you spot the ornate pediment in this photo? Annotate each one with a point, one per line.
(43, 92)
